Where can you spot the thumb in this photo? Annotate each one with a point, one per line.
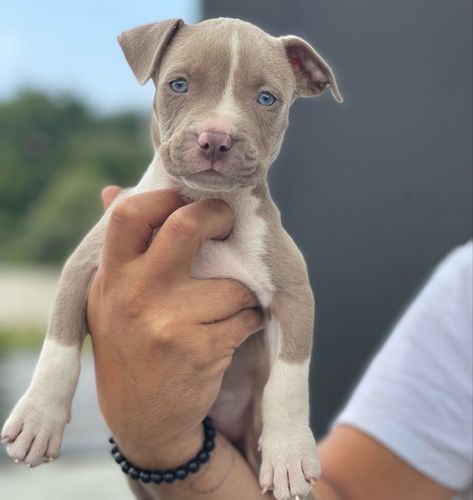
(108, 194)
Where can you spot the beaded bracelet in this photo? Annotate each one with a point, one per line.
(168, 476)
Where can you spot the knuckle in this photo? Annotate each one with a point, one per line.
(165, 334)
(182, 224)
(124, 211)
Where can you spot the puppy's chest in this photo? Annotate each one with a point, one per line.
(241, 256)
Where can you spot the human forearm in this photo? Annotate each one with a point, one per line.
(226, 475)
(357, 467)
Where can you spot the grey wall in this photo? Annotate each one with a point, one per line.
(376, 190)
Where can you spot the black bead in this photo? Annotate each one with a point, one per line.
(145, 476)
(169, 476)
(133, 473)
(119, 458)
(181, 473)
(111, 440)
(156, 477)
(193, 466)
(210, 433)
(203, 457)
(114, 450)
(207, 422)
(209, 445)
(125, 466)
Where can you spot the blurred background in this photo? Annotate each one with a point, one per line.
(375, 191)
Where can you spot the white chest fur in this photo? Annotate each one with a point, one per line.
(241, 255)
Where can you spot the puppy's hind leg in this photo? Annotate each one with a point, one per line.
(34, 430)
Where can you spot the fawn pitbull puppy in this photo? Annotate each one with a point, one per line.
(223, 93)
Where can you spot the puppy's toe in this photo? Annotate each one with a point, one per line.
(281, 483)
(266, 477)
(11, 429)
(37, 450)
(54, 447)
(21, 446)
(297, 482)
(311, 468)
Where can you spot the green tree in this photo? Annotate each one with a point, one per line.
(55, 155)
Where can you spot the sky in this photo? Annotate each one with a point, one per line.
(59, 45)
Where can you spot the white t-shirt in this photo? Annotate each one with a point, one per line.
(416, 397)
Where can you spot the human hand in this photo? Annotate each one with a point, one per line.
(162, 339)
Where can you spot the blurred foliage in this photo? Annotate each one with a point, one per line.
(55, 156)
(16, 338)
(12, 339)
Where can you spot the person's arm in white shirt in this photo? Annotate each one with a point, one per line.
(406, 433)
(357, 467)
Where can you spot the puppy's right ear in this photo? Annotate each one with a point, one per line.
(145, 45)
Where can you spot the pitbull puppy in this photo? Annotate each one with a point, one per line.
(223, 93)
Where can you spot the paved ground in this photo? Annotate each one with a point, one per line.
(70, 478)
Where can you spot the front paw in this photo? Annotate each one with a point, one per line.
(33, 432)
(290, 465)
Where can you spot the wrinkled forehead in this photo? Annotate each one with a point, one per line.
(219, 47)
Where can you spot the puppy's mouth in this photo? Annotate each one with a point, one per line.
(210, 173)
(189, 165)
(209, 180)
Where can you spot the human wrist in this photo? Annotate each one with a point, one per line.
(149, 452)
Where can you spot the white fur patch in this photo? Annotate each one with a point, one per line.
(56, 374)
(240, 256)
(227, 106)
(285, 398)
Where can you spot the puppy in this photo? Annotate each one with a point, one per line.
(223, 92)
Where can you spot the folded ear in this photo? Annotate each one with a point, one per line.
(312, 73)
(145, 45)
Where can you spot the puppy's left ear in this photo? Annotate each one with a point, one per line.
(145, 45)
(313, 74)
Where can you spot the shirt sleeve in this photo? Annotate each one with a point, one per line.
(416, 398)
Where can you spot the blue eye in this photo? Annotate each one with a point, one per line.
(179, 85)
(265, 98)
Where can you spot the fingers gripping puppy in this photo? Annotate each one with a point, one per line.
(223, 93)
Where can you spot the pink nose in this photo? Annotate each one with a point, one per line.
(214, 145)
